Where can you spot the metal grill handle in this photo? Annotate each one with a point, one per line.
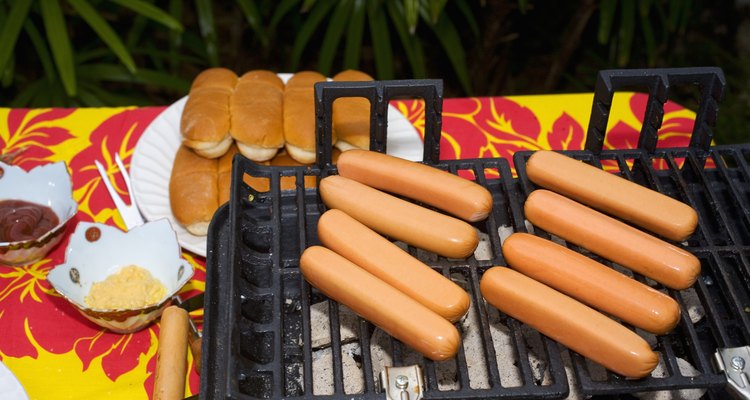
(379, 93)
(710, 79)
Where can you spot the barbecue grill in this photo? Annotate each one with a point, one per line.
(269, 334)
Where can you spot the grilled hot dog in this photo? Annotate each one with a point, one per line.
(569, 322)
(591, 283)
(613, 195)
(399, 219)
(380, 303)
(614, 240)
(378, 256)
(453, 194)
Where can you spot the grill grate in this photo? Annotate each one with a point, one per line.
(262, 337)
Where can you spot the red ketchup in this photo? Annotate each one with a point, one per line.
(21, 220)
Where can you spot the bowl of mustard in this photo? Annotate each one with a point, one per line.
(119, 280)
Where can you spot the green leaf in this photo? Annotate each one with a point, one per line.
(465, 9)
(280, 12)
(675, 9)
(89, 98)
(411, 14)
(159, 56)
(644, 7)
(254, 19)
(175, 37)
(59, 42)
(411, 44)
(307, 30)
(105, 32)
(6, 77)
(354, 35)
(307, 5)
(116, 73)
(151, 12)
(41, 49)
(208, 30)
(136, 31)
(451, 42)
(85, 56)
(110, 98)
(19, 10)
(607, 11)
(436, 8)
(152, 51)
(23, 98)
(685, 19)
(332, 38)
(627, 31)
(381, 42)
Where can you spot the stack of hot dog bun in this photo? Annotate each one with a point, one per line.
(299, 116)
(564, 294)
(256, 115)
(205, 120)
(384, 284)
(257, 118)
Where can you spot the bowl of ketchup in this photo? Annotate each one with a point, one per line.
(34, 208)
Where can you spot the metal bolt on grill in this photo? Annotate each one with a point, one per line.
(269, 334)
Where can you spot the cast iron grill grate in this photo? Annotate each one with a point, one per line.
(262, 337)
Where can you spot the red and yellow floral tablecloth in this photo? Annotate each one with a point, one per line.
(57, 354)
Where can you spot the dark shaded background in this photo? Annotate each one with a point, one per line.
(521, 47)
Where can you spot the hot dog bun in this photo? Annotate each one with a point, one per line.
(458, 196)
(636, 250)
(613, 195)
(262, 75)
(378, 256)
(569, 322)
(304, 80)
(351, 115)
(376, 301)
(299, 116)
(194, 190)
(257, 117)
(591, 283)
(205, 119)
(399, 219)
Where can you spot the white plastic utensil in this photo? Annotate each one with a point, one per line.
(129, 213)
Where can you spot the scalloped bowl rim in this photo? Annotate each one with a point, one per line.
(86, 263)
(58, 177)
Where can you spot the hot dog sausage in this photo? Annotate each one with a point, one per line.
(614, 240)
(399, 219)
(569, 322)
(591, 283)
(378, 256)
(612, 194)
(453, 194)
(171, 360)
(380, 303)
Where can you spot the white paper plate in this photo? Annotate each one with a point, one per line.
(10, 387)
(154, 154)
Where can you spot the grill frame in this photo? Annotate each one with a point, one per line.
(241, 262)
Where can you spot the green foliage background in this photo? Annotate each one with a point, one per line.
(146, 52)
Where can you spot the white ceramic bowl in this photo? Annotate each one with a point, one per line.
(48, 185)
(98, 250)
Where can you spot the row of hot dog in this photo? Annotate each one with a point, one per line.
(548, 283)
(374, 277)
